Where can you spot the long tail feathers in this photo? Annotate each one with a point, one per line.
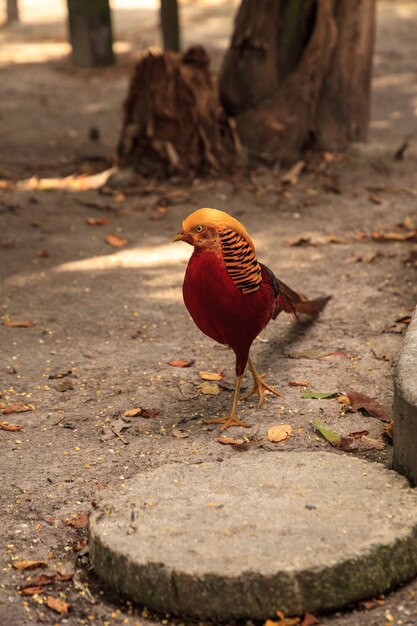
(292, 302)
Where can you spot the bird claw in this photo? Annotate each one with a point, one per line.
(259, 388)
(231, 420)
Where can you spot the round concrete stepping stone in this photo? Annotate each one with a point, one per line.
(295, 531)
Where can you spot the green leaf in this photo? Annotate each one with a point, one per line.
(343, 443)
(318, 395)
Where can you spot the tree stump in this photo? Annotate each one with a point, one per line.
(173, 121)
(297, 75)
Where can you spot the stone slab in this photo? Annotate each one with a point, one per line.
(294, 531)
(405, 406)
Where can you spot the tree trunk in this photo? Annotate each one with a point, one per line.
(173, 121)
(170, 25)
(12, 11)
(90, 33)
(297, 75)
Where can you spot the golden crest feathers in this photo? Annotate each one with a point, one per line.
(216, 219)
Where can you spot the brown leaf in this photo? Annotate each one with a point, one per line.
(158, 213)
(360, 235)
(389, 429)
(370, 405)
(365, 257)
(371, 604)
(345, 355)
(301, 241)
(291, 176)
(97, 221)
(29, 564)
(336, 239)
(298, 383)
(405, 319)
(43, 254)
(308, 354)
(38, 581)
(357, 434)
(18, 323)
(150, 413)
(115, 241)
(16, 407)
(389, 236)
(81, 544)
(31, 591)
(79, 521)
(132, 412)
(231, 441)
(13, 428)
(372, 444)
(59, 606)
(178, 433)
(58, 374)
(210, 375)
(279, 432)
(182, 363)
(373, 197)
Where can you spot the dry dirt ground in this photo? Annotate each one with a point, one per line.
(109, 320)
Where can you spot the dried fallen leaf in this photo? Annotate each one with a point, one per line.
(16, 407)
(38, 581)
(291, 176)
(333, 437)
(309, 620)
(279, 432)
(360, 235)
(64, 385)
(18, 323)
(319, 395)
(371, 604)
(209, 388)
(365, 257)
(360, 401)
(178, 433)
(97, 221)
(231, 441)
(132, 412)
(81, 544)
(301, 241)
(308, 354)
(43, 254)
(405, 319)
(158, 213)
(59, 374)
(59, 606)
(372, 444)
(357, 434)
(298, 383)
(13, 428)
(182, 363)
(30, 591)
(115, 241)
(29, 564)
(150, 413)
(210, 375)
(336, 239)
(79, 521)
(389, 429)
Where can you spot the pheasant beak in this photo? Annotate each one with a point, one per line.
(178, 237)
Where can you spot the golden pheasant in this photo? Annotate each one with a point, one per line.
(231, 296)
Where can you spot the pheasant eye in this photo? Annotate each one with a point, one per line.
(198, 229)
